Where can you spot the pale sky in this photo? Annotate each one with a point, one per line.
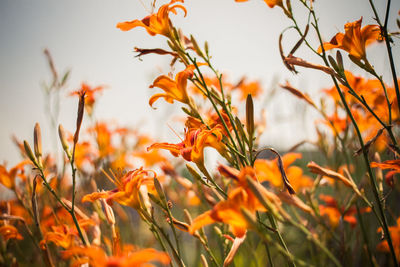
(82, 37)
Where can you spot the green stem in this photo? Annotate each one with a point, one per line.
(280, 238)
(364, 150)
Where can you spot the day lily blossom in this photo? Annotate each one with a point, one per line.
(128, 188)
(174, 89)
(354, 40)
(158, 23)
(192, 147)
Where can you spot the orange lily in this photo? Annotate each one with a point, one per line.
(174, 89)
(128, 187)
(354, 40)
(10, 232)
(130, 256)
(270, 3)
(388, 164)
(7, 178)
(90, 95)
(268, 170)
(395, 234)
(192, 147)
(333, 212)
(229, 211)
(158, 23)
(248, 88)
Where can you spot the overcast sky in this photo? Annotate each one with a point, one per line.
(82, 37)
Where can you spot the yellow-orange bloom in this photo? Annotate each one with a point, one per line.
(229, 211)
(158, 23)
(355, 39)
(128, 187)
(270, 3)
(192, 147)
(268, 170)
(7, 178)
(90, 95)
(174, 89)
(333, 212)
(130, 256)
(10, 232)
(395, 234)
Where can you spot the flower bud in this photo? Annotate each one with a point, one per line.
(29, 152)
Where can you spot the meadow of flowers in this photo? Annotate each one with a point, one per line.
(117, 196)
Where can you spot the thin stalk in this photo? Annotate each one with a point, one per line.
(316, 242)
(388, 47)
(365, 236)
(364, 150)
(48, 187)
(280, 238)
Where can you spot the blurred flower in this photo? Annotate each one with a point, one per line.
(130, 256)
(245, 88)
(10, 232)
(7, 178)
(395, 234)
(90, 95)
(268, 170)
(270, 3)
(334, 213)
(241, 197)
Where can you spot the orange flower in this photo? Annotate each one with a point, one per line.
(192, 147)
(268, 170)
(174, 89)
(130, 256)
(62, 236)
(248, 88)
(333, 212)
(155, 23)
(229, 211)
(128, 187)
(212, 120)
(7, 178)
(395, 234)
(355, 39)
(388, 164)
(103, 137)
(10, 232)
(90, 95)
(270, 3)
